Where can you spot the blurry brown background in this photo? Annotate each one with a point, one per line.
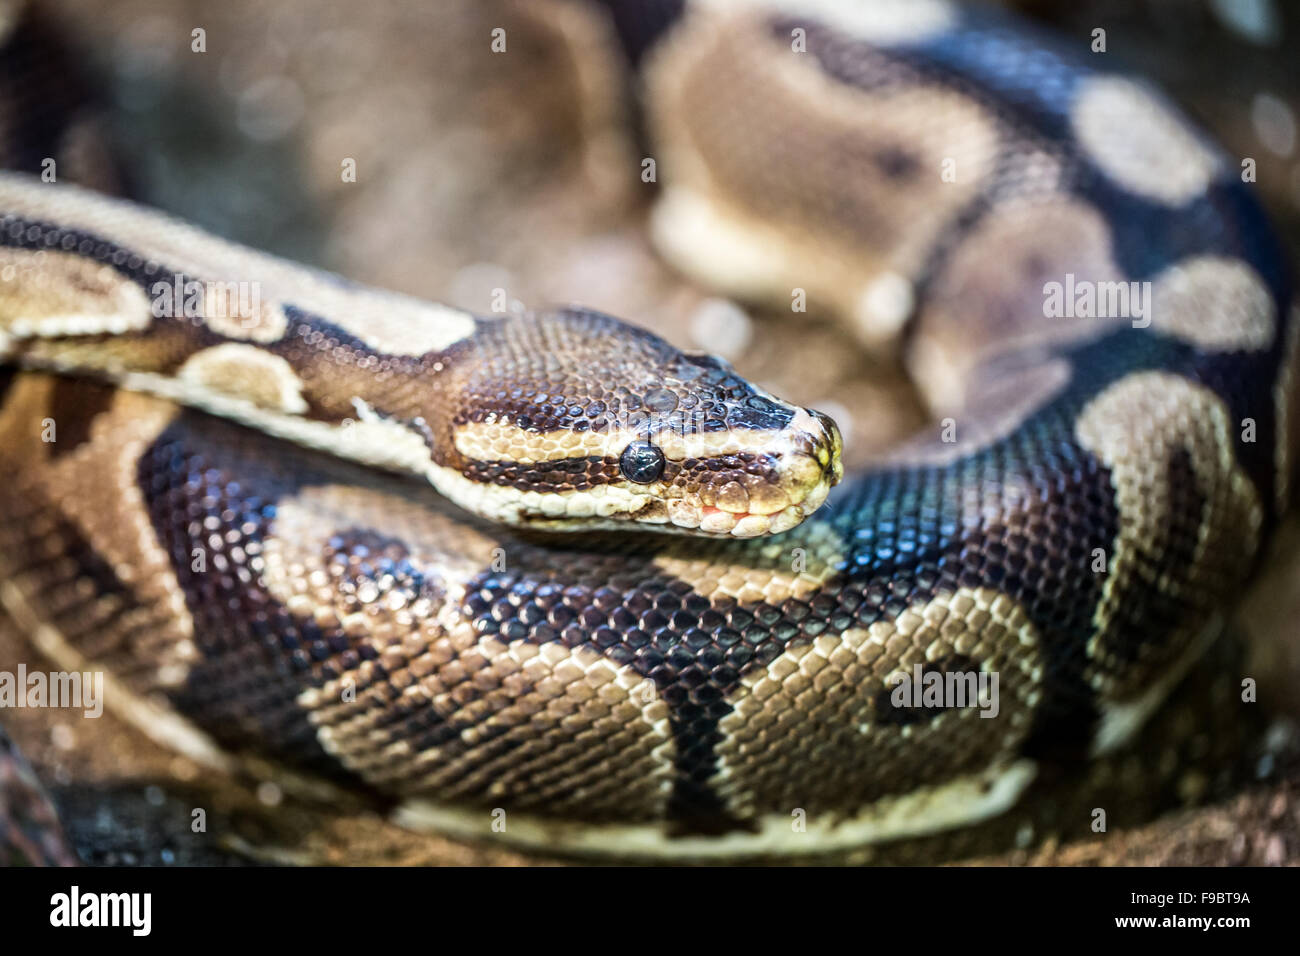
(521, 171)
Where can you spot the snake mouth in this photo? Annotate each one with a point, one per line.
(753, 524)
(805, 480)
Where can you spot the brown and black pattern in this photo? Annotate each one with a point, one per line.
(544, 402)
(659, 695)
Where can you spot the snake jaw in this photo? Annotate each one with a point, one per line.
(802, 463)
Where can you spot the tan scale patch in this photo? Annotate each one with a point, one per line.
(387, 322)
(369, 439)
(293, 555)
(795, 566)
(1139, 141)
(501, 441)
(556, 509)
(990, 295)
(247, 372)
(47, 294)
(1214, 303)
(229, 312)
(544, 728)
(1134, 428)
(960, 801)
(94, 487)
(1001, 396)
(757, 207)
(806, 732)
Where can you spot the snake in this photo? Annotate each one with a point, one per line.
(543, 577)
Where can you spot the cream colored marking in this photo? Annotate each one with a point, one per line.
(223, 313)
(602, 508)
(705, 228)
(803, 422)
(1137, 139)
(973, 312)
(884, 307)
(535, 717)
(546, 728)
(385, 321)
(774, 750)
(962, 801)
(803, 485)
(722, 249)
(1216, 303)
(246, 371)
(383, 444)
(767, 573)
(95, 487)
(513, 507)
(1286, 401)
(294, 549)
(885, 22)
(502, 441)
(1000, 398)
(1134, 427)
(48, 294)
(159, 723)
(1121, 720)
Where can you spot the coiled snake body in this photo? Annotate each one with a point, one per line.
(1106, 474)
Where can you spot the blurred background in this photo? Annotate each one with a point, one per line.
(521, 172)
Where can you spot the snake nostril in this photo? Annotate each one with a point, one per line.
(823, 439)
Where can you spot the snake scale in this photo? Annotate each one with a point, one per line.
(515, 637)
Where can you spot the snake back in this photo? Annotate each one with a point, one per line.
(1097, 490)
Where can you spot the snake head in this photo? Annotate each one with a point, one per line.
(574, 420)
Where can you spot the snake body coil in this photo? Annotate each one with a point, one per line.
(1094, 300)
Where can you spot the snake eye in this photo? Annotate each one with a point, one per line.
(641, 462)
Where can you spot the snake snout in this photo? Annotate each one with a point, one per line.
(818, 438)
(829, 446)
(809, 466)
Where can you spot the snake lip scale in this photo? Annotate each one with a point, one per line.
(550, 569)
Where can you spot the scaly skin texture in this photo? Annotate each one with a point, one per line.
(523, 419)
(674, 697)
